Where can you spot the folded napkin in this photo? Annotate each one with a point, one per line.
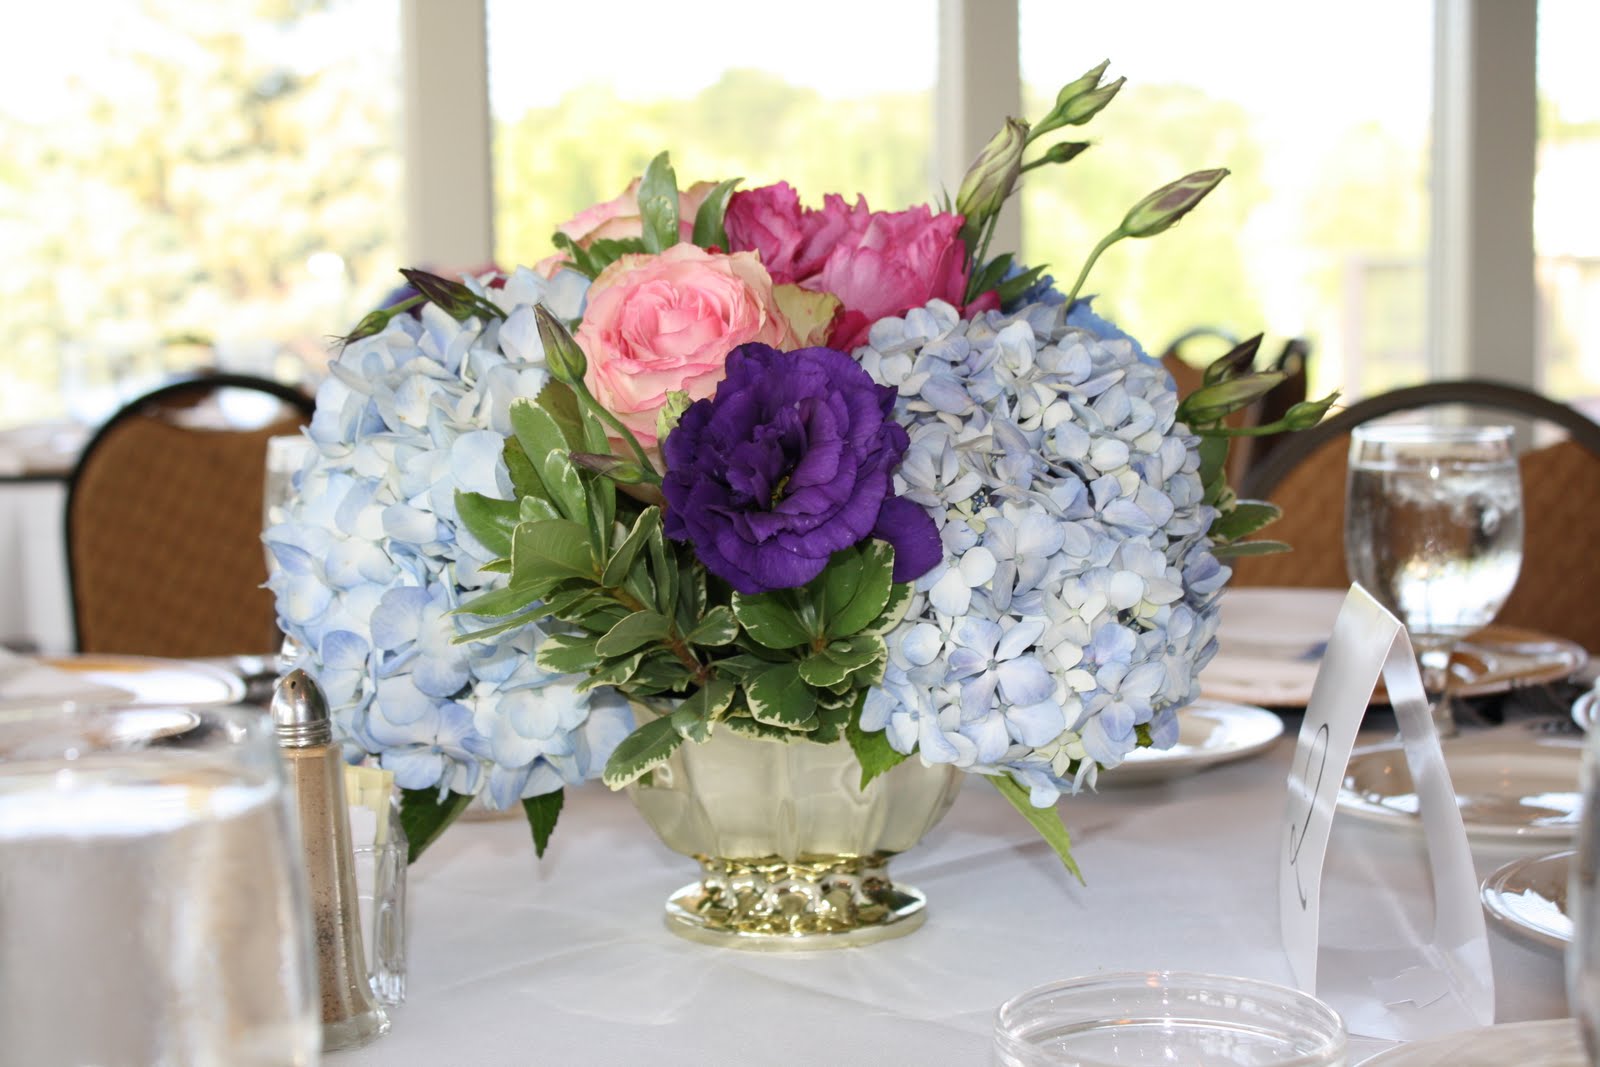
(26, 682)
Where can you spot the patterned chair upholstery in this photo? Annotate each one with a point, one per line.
(164, 525)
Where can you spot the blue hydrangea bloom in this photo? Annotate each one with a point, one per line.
(371, 558)
(1077, 599)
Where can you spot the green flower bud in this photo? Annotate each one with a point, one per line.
(1168, 204)
(1308, 413)
(994, 173)
(1085, 106)
(1061, 152)
(668, 414)
(1089, 81)
(562, 355)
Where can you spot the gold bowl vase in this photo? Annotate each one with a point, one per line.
(794, 853)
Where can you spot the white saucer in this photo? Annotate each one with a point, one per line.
(1209, 732)
(1586, 708)
(1545, 1043)
(1509, 783)
(1528, 898)
(150, 680)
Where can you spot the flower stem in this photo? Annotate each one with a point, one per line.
(581, 389)
(1105, 242)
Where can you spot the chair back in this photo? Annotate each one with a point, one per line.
(1558, 591)
(163, 522)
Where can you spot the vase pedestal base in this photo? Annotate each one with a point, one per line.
(801, 906)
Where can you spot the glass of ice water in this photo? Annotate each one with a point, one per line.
(1433, 529)
(153, 904)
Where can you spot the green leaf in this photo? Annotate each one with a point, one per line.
(525, 478)
(719, 627)
(658, 205)
(661, 672)
(546, 445)
(1011, 288)
(491, 521)
(865, 596)
(536, 509)
(872, 749)
(567, 654)
(1246, 518)
(424, 816)
(1045, 820)
(647, 525)
(502, 602)
(637, 630)
(778, 697)
(553, 547)
(819, 670)
(664, 564)
(647, 747)
(769, 621)
(614, 672)
(607, 250)
(894, 611)
(708, 228)
(693, 718)
(745, 726)
(691, 597)
(515, 623)
(583, 432)
(542, 812)
(1240, 549)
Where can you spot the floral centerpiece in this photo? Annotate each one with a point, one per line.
(730, 465)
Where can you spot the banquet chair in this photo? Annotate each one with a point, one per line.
(1559, 583)
(163, 520)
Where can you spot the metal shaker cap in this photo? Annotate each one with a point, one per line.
(300, 712)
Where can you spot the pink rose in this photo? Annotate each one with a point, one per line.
(618, 218)
(659, 323)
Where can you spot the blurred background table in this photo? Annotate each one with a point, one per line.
(566, 960)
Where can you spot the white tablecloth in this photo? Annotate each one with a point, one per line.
(566, 960)
(35, 601)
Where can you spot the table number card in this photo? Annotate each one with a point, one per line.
(1403, 991)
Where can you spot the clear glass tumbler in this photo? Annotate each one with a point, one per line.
(153, 904)
(1583, 903)
(1167, 1017)
(1433, 529)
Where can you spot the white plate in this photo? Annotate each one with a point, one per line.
(1209, 732)
(1528, 898)
(1545, 1043)
(1270, 643)
(1586, 707)
(152, 681)
(1509, 783)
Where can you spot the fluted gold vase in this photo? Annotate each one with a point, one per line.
(794, 855)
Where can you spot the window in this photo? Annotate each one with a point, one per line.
(730, 89)
(1566, 228)
(1321, 229)
(190, 182)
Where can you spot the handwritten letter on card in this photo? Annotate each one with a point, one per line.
(1398, 991)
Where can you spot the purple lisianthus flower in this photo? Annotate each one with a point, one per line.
(789, 462)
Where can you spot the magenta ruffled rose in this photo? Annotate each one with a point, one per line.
(878, 263)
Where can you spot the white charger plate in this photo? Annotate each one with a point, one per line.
(1510, 784)
(1544, 1043)
(1209, 732)
(1270, 644)
(1528, 898)
(151, 680)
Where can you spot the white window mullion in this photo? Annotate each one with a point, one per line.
(1481, 301)
(449, 190)
(980, 86)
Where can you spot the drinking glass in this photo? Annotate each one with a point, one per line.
(153, 904)
(1583, 902)
(1433, 529)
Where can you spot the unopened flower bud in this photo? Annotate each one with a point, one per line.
(562, 355)
(1308, 413)
(1088, 82)
(1085, 106)
(1062, 152)
(994, 173)
(1168, 204)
